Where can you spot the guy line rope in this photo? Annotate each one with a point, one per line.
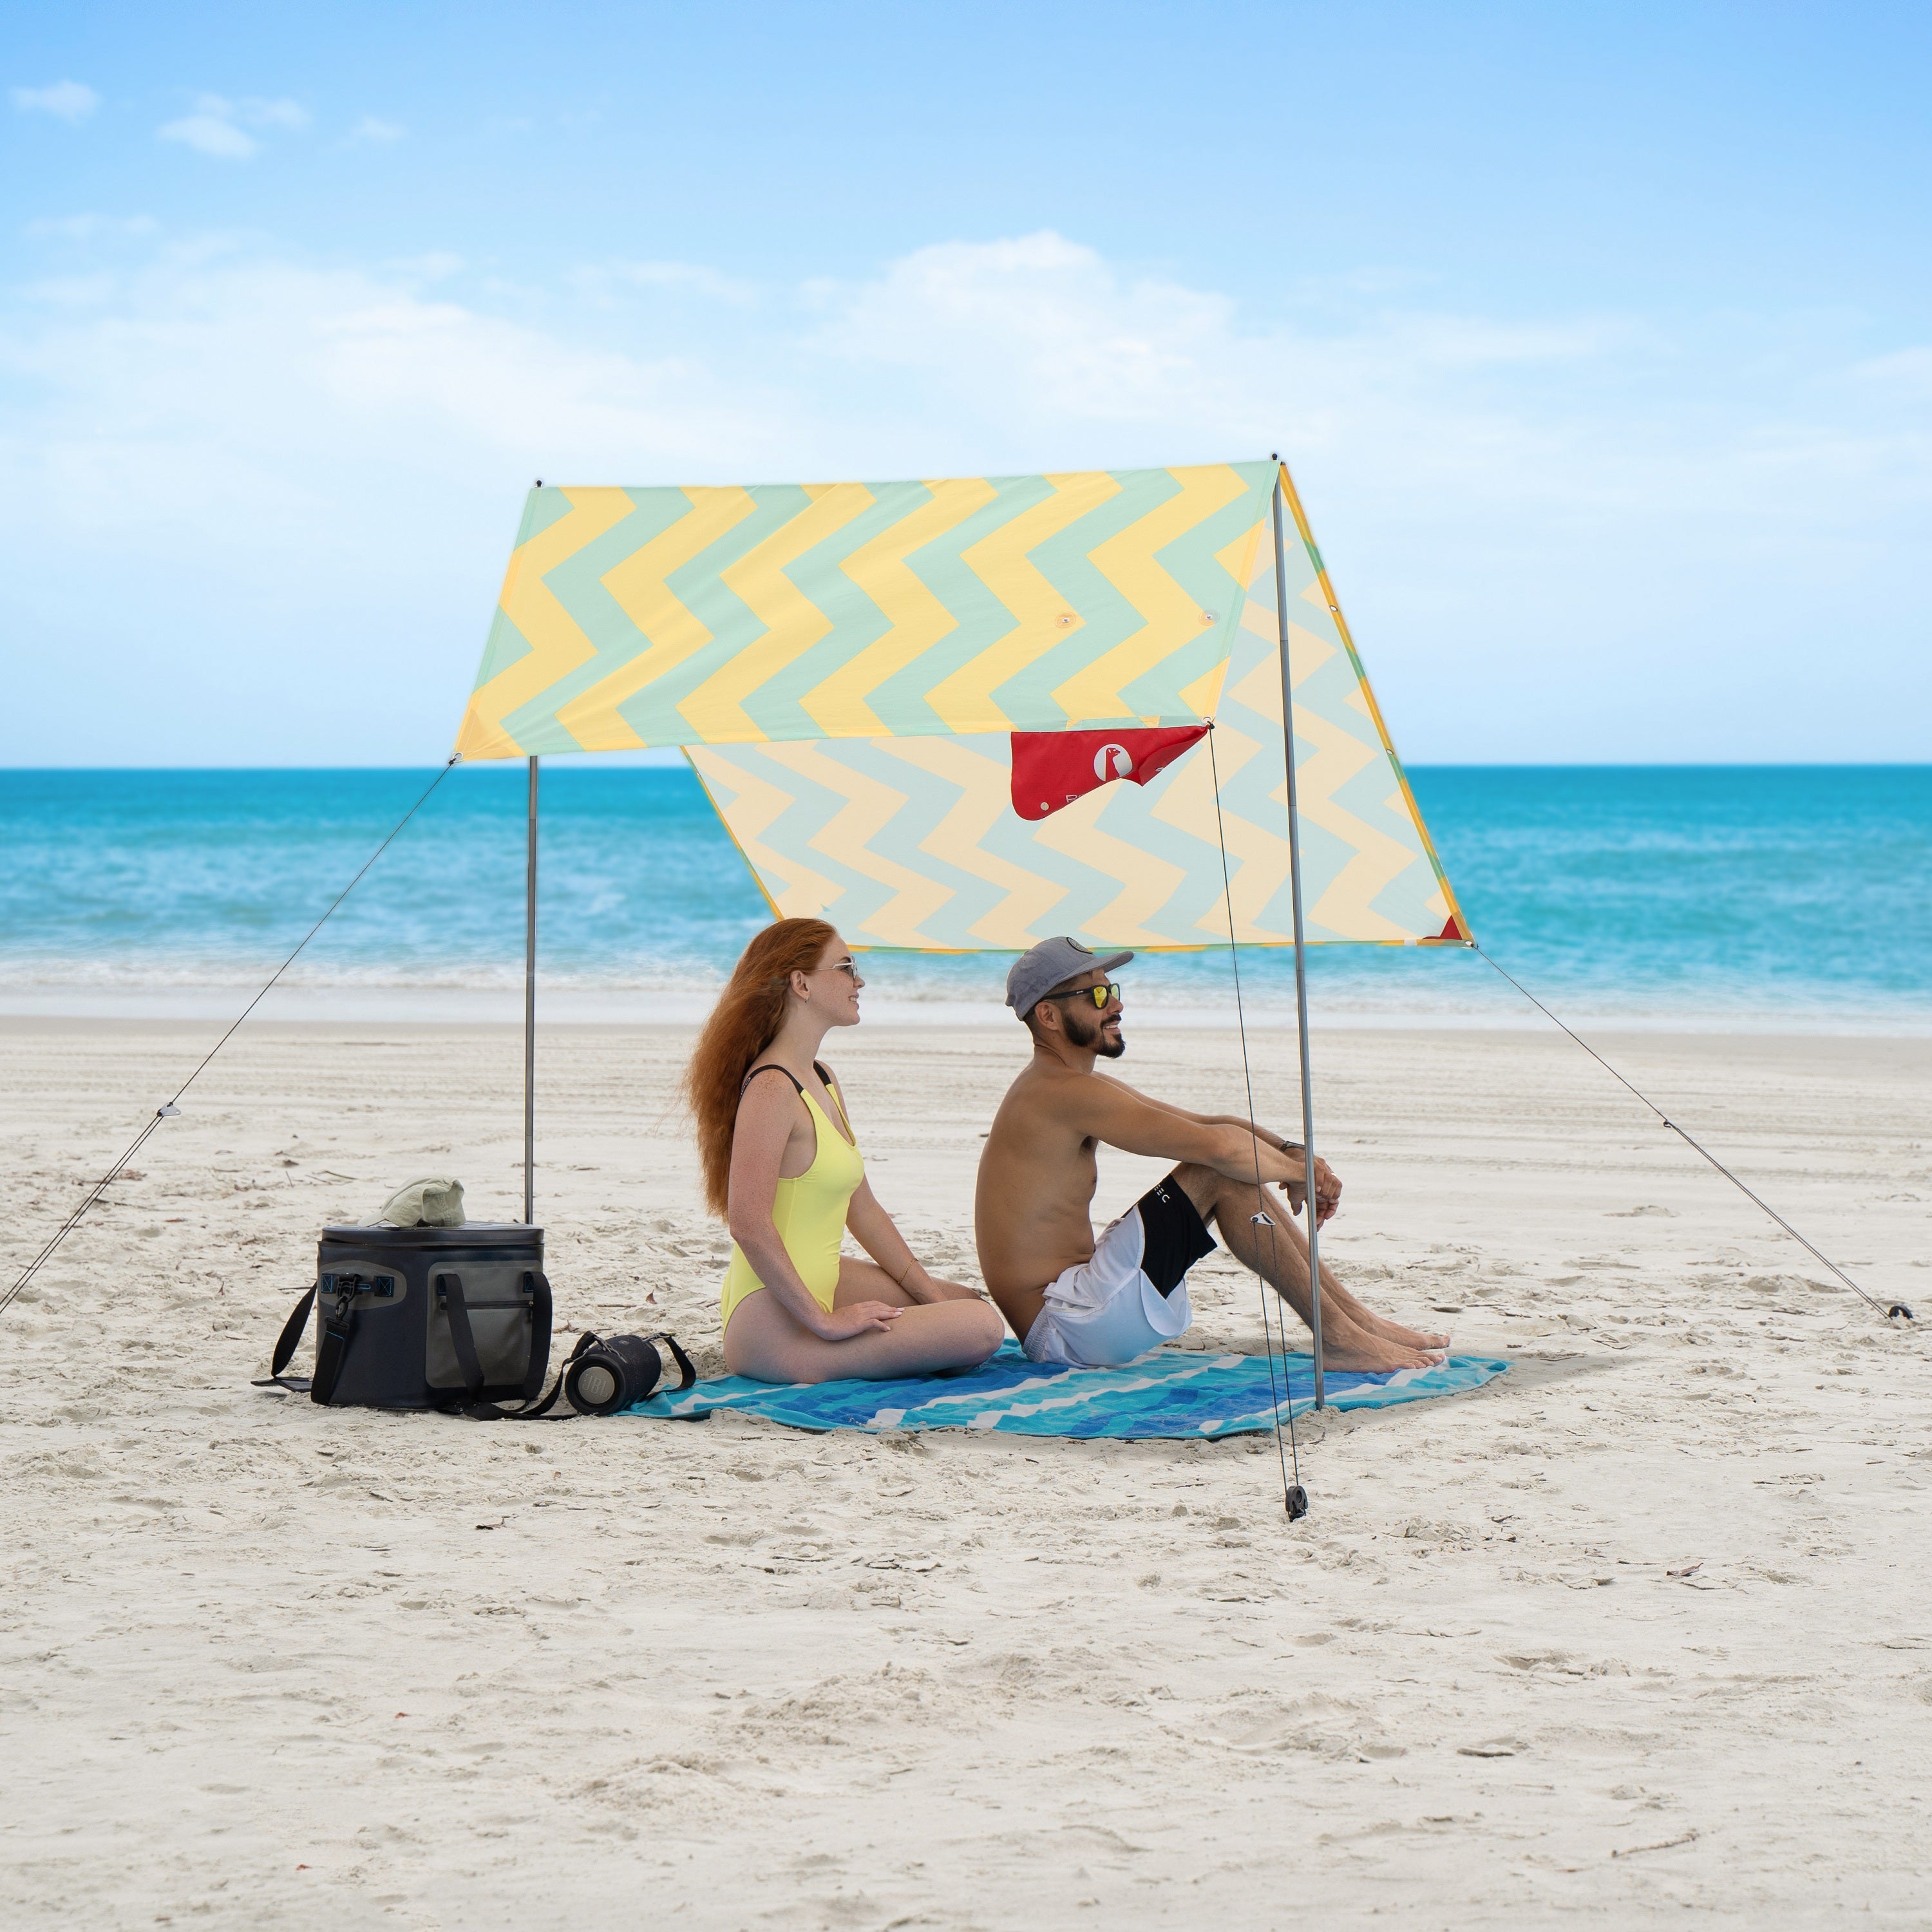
(1293, 1497)
(1897, 1308)
(172, 1106)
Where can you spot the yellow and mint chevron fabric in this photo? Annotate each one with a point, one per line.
(914, 843)
(779, 613)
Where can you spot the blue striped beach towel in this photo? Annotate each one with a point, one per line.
(1172, 1392)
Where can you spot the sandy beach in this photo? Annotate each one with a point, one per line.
(1640, 1628)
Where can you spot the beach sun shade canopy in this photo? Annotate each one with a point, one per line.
(864, 677)
(781, 613)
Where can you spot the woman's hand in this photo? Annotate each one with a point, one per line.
(855, 1318)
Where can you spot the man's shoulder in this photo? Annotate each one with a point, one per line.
(1045, 1087)
(1040, 1072)
(1024, 1090)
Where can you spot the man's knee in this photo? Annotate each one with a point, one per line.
(1202, 1186)
(1215, 1196)
(1218, 1200)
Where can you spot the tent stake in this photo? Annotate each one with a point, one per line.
(1301, 948)
(530, 1011)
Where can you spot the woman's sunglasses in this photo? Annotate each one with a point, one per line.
(1099, 995)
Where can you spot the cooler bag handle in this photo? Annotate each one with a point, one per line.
(471, 1364)
(540, 1322)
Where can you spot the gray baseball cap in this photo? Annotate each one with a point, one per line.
(1035, 974)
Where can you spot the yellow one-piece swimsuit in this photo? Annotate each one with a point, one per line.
(809, 1211)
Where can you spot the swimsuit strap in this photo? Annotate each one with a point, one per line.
(818, 1067)
(772, 1066)
(824, 1072)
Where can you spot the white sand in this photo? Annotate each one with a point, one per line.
(269, 1664)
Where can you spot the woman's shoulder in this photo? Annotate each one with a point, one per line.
(745, 1086)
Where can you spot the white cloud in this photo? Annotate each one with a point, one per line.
(236, 465)
(438, 265)
(369, 132)
(213, 385)
(1906, 374)
(289, 114)
(210, 134)
(1556, 537)
(65, 101)
(1043, 330)
(217, 127)
(72, 292)
(607, 281)
(89, 227)
(1485, 436)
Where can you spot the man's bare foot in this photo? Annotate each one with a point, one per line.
(1393, 1331)
(1353, 1348)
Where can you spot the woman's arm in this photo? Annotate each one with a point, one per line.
(876, 1231)
(768, 1115)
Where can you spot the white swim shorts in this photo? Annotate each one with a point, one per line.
(1131, 1295)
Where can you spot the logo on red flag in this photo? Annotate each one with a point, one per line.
(1051, 768)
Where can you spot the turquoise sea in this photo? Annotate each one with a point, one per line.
(1795, 898)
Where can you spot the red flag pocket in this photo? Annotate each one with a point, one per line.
(1051, 768)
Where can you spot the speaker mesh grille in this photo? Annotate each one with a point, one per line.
(596, 1385)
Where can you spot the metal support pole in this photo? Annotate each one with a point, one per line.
(530, 1007)
(1300, 950)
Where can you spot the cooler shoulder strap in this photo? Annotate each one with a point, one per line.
(332, 1345)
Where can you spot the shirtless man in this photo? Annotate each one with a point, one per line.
(1093, 1303)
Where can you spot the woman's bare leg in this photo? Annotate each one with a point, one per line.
(762, 1342)
(866, 1281)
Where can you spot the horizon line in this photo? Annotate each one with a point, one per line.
(630, 761)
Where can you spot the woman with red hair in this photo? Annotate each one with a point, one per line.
(782, 1166)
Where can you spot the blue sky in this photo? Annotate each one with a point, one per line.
(1599, 337)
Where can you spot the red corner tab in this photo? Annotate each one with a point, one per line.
(1051, 768)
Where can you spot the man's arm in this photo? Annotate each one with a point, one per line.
(1328, 1183)
(1266, 1135)
(1110, 1111)
(1327, 1186)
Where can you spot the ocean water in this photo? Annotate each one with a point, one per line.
(1795, 898)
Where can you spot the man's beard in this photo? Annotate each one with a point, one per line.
(1084, 1034)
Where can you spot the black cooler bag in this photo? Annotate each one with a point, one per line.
(427, 1318)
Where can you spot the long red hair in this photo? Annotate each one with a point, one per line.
(745, 1022)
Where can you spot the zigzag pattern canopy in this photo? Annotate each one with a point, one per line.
(844, 663)
(632, 618)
